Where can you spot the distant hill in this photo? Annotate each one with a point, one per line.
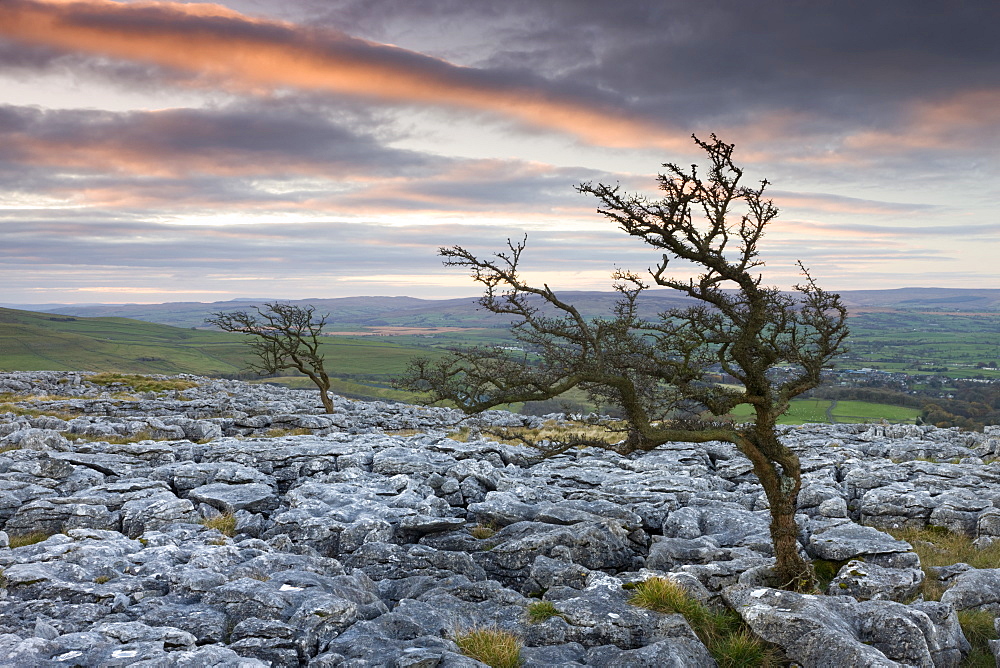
(925, 299)
(362, 312)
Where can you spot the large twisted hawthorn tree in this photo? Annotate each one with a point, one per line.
(654, 371)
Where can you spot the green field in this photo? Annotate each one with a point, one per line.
(805, 411)
(363, 366)
(41, 341)
(911, 341)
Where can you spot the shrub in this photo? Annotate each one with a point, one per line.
(495, 648)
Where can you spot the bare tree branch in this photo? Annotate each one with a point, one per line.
(658, 371)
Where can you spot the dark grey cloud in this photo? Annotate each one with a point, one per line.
(842, 62)
(269, 136)
(255, 156)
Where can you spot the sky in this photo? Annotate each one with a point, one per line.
(185, 151)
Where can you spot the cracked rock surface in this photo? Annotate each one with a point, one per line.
(235, 525)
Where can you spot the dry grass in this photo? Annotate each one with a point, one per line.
(939, 547)
(495, 648)
(7, 407)
(277, 432)
(141, 383)
(143, 435)
(224, 524)
(551, 431)
(24, 539)
(483, 531)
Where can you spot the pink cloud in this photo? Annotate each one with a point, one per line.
(223, 48)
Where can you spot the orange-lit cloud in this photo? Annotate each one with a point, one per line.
(838, 204)
(221, 47)
(965, 120)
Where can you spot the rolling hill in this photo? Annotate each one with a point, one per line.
(347, 313)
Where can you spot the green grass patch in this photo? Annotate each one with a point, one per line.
(42, 341)
(492, 646)
(730, 642)
(909, 340)
(979, 630)
(806, 411)
(539, 611)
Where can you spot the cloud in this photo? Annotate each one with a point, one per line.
(859, 230)
(840, 204)
(256, 158)
(250, 141)
(220, 47)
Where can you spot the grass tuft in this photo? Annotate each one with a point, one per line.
(24, 539)
(730, 642)
(483, 531)
(495, 648)
(539, 611)
(741, 649)
(224, 524)
(978, 628)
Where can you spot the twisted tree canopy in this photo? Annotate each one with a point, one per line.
(655, 371)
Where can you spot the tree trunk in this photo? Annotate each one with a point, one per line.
(791, 570)
(323, 383)
(327, 401)
(780, 474)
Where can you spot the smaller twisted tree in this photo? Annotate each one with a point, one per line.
(656, 371)
(283, 337)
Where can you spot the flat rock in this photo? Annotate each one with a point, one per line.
(849, 540)
(252, 497)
